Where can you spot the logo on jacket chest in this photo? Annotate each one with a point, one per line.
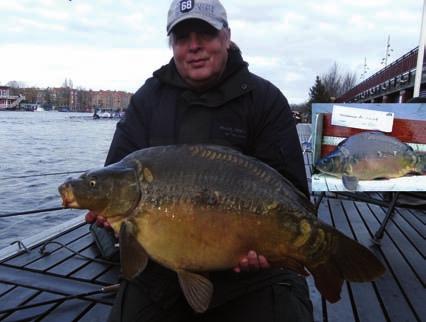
(232, 131)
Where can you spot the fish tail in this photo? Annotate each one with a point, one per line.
(349, 261)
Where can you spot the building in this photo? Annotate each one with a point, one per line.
(392, 84)
(114, 100)
(8, 101)
(64, 99)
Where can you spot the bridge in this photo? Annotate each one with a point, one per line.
(392, 84)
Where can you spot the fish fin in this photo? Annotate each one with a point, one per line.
(133, 256)
(350, 182)
(356, 262)
(198, 290)
(349, 260)
(328, 281)
(341, 142)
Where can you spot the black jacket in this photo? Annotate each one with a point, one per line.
(242, 111)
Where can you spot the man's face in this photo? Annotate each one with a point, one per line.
(200, 52)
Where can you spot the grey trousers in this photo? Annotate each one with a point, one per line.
(155, 295)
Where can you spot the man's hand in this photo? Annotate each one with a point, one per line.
(252, 262)
(92, 217)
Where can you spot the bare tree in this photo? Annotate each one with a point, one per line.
(67, 83)
(337, 82)
(15, 87)
(15, 84)
(348, 82)
(31, 94)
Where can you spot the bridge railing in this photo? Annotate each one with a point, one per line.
(400, 67)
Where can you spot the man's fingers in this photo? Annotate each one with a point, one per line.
(244, 264)
(253, 261)
(90, 217)
(100, 221)
(107, 225)
(263, 263)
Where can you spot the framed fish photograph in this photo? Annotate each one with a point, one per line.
(369, 147)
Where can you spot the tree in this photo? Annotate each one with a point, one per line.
(15, 87)
(15, 84)
(67, 83)
(337, 82)
(318, 92)
(349, 81)
(47, 99)
(84, 99)
(31, 94)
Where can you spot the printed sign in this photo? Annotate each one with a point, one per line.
(362, 118)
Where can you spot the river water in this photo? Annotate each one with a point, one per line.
(34, 143)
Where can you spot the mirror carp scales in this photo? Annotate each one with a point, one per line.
(201, 208)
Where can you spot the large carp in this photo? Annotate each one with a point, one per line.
(201, 208)
(370, 155)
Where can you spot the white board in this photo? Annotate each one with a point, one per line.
(322, 182)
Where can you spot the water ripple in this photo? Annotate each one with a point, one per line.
(39, 143)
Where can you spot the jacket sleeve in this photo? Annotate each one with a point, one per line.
(276, 141)
(131, 133)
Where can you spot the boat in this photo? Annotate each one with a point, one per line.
(63, 109)
(107, 114)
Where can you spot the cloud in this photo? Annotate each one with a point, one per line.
(116, 44)
(113, 69)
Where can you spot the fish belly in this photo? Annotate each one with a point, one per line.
(385, 167)
(207, 239)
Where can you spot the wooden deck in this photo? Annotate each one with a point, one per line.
(30, 277)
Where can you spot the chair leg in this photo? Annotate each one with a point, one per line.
(380, 232)
(317, 203)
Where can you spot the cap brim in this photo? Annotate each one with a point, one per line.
(215, 24)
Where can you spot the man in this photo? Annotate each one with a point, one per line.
(206, 94)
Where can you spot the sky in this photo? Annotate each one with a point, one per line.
(117, 44)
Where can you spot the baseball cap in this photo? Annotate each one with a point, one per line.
(210, 11)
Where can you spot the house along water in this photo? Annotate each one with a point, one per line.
(34, 143)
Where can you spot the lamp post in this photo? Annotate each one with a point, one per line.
(387, 53)
(420, 54)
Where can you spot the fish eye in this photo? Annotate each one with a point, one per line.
(92, 183)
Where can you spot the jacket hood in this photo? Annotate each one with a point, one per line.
(234, 82)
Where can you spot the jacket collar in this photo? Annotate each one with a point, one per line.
(234, 82)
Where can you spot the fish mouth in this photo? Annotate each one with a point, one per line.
(70, 203)
(68, 198)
